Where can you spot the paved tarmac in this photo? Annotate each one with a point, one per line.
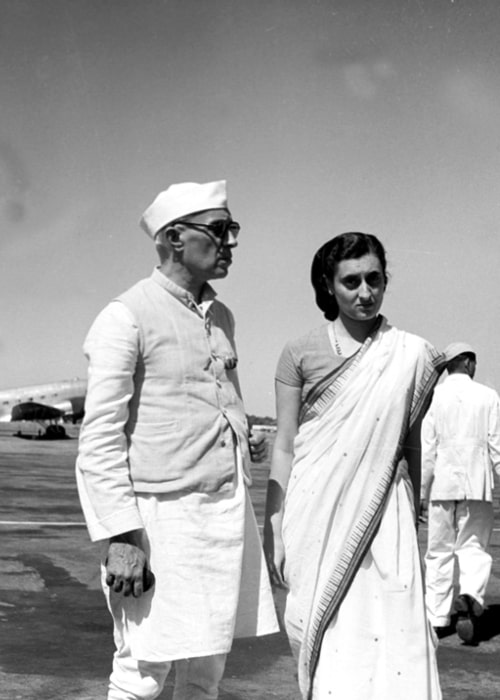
(55, 632)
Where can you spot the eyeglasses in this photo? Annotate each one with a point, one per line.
(218, 229)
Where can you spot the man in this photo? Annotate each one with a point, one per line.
(460, 450)
(163, 461)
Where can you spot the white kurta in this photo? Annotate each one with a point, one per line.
(211, 580)
(461, 441)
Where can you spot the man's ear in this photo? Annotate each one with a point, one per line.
(171, 236)
(470, 365)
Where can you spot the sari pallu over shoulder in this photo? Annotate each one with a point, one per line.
(349, 444)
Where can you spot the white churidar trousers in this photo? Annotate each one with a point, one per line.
(195, 679)
(460, 529)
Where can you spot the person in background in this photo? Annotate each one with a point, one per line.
(340, 529)
(460, 452)
(163, 461)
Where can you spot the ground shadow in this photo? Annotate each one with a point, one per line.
(48, 629)
(247, 655)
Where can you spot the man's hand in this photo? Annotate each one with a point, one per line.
(424, 509)
(126, 567)
(258, 447)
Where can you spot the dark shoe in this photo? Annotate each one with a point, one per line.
(442, 631)
(468, 610)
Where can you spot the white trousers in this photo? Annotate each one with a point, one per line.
(460, 529)
(195, 679)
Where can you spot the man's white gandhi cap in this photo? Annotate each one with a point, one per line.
(180, 200)
(455, 349)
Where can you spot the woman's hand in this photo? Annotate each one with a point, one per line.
(274, 552)
(287, 409)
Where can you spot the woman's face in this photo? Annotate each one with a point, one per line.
(359, 286)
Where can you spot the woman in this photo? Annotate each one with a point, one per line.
(350, 398)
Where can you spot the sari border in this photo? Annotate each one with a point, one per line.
(354, 552)
(423, 397)
(325, 387)
(366, 526)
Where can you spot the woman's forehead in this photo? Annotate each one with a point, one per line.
(355, 266)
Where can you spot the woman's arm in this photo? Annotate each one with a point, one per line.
(287, 410)
(412, 454)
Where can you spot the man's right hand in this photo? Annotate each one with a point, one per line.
(126, 567)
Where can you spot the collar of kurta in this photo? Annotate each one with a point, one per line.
(458, 376)
(208, 293)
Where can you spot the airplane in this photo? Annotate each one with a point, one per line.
(46, 404)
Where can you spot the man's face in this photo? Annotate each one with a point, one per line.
(204, 255)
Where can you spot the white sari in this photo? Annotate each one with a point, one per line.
(355, 613)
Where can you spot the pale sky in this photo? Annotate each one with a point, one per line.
(324, 116)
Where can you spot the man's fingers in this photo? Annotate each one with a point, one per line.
(125, 569)
(137, 589)
(258, 447)
(135, 584)
(148, 580)
(144, 583)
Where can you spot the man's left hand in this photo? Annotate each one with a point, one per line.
(258, 447)
(424, 512)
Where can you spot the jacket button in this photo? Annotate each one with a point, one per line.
(222, 443)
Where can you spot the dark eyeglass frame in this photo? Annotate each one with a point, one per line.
(216, 229)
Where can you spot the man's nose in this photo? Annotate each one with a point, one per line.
(230, 240)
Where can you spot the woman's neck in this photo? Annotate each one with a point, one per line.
(357, 330)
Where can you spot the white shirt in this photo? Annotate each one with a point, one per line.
(461, 441)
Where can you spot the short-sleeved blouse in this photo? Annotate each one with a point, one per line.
(306, 360)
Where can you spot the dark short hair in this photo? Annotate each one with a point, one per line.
(345, 246)
(456, 363)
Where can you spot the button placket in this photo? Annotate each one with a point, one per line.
(215, 369)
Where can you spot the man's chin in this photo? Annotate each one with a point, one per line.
(221, 271)
(218, 275)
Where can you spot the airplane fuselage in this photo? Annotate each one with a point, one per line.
(65, 397)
